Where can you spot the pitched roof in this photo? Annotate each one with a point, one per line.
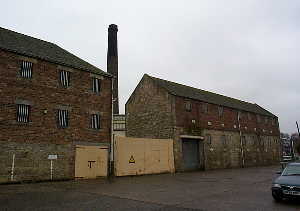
(209, 97)
(40, 49)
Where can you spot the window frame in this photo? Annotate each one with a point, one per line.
(96, 85)
(188, 105)
(26, 70)
(95, 125)
(63, 113)
(208, 138)
(220, 111)
(65, 78)
(23, 118)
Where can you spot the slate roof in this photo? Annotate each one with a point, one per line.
(209, 97)
(40, 49)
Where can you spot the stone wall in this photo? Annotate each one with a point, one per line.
(31, 161)
(254, 150)
(149, 112)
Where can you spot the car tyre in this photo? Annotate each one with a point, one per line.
(277, 198)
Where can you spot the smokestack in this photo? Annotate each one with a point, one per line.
(112, 62)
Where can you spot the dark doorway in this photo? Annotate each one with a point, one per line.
(190, 152)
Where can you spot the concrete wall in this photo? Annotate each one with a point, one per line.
(45, 95)
(137, 156)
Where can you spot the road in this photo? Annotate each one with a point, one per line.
(230, 189)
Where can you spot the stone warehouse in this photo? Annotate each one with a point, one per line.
(209, 130)
(53, 105)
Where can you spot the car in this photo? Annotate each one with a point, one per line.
(287, 185)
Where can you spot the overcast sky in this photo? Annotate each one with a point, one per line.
(243, 49)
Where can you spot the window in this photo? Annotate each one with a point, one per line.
(188, 106)
(273, 121)
(266, 120)
(205, 108)
(220, 110)
(26, 69)
(240, 115)
(65, 78)
(208, 139)
(96, 85)
(63, 118)
(95, 121)
(23, 113)
(223, 140)
(258, 118)
(249, 116)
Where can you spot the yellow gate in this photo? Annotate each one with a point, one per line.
(91, 161)
(137, 156)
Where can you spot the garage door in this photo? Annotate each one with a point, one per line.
(91, 161)
(190, 150)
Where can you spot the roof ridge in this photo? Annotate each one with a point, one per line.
(202, 90)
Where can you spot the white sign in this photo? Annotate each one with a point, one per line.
(52, 157)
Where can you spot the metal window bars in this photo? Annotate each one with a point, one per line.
(96, 85)
(23, 113)
(95, 121)
(26, 69)
(63, 118)
(65, 78)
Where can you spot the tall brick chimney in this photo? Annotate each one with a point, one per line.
(112, 62)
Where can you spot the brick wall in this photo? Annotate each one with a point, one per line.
(45, 95)
(228, 121)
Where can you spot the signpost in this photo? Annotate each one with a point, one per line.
(51, 158)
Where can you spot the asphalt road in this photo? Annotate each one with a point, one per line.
(235, 189)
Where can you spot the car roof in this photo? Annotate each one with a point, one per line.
(294, 164)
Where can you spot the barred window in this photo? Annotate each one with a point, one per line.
(23, 113)
(208, 139)
(240, 115)
(223, 140)
(96, 85)
(95, 121)
(273, 121)
(258, 118)
(266, 120)
(65, 78)
(188, 106)
(220, 110)
(63, 118)
(205, 107)
(249, 116)
(26, 69)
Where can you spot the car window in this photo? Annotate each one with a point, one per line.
(291, 170)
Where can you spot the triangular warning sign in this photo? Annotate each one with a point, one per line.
(131, 159)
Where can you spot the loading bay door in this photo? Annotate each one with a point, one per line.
(190, 152)
(91, 161)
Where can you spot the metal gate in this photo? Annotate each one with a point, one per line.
(190, 151)
(91, 161)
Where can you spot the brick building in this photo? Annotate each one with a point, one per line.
(209, 130)
(50, 102)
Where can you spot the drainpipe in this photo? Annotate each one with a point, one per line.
(111, 166)
(241, 142)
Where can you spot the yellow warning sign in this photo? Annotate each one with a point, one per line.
(131, 159)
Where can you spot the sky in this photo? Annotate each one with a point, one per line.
(246, 49)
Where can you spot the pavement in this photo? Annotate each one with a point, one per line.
(230, 189)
